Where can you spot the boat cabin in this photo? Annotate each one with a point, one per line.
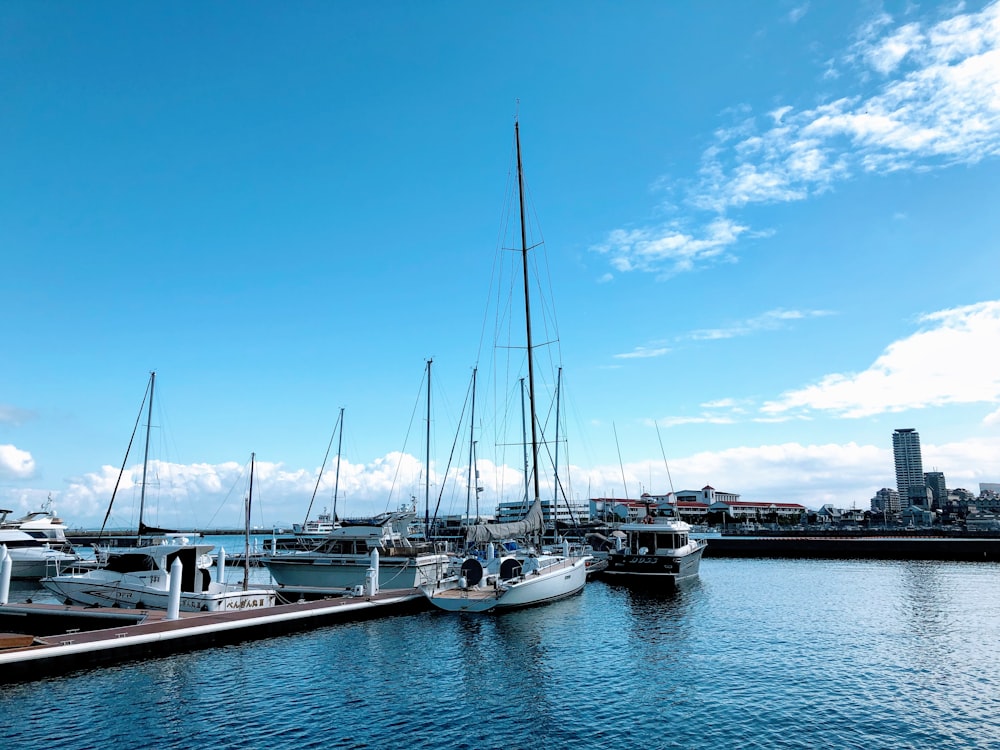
(652, 541)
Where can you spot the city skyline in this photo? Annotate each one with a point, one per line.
(767, 230)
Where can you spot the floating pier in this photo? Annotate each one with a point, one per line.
(64, 637)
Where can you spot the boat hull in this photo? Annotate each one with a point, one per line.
(306, 570)
(32, 567)
(92, 589)
(559, 581)
(653, 570)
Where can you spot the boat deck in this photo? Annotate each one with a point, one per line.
(99, 636)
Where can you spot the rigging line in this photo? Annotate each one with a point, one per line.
(399, 463)
(121, 471)
(620, 464)
(322, 468)
(451, 455)
(662, 453)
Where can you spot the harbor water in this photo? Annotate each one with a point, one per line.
(756, 653)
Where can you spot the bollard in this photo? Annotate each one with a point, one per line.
(220, 565)
(174, 599)
(371, 576)
(6, 565)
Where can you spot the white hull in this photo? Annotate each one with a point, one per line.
(562, 579)
(35, 566)
(313, 570)
(96, 589)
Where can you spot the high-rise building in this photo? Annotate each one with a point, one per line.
(909, 467)
(935, 482)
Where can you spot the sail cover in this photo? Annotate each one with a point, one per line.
(532, 522)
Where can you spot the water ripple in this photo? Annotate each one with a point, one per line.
(755, 654)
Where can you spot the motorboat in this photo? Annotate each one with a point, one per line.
(139, 578)
(32, 558)
(342, 558)
(656, 550)
(44, 525)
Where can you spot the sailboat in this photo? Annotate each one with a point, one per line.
(139, 577)
(515, 577)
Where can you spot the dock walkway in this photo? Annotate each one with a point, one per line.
(105, 636)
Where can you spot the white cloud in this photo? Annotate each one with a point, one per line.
(670, 249)
(15, 463)
(935, 103)
(846, 475)
(947, 362)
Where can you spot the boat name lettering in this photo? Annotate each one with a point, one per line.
(641, 560)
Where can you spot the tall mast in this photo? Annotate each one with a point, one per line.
(473, 479)
(246, 530)
(524, 443)
(336, 476)
(527, 312)
(427, 470)
(145, 457)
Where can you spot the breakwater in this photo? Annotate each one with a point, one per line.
(858, 545)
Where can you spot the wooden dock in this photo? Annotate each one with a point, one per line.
(69, 637)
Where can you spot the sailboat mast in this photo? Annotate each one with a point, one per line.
(527, 312)
(145, 457)
(336, 475)
(472, 450)
(246, 530)
(427, 469)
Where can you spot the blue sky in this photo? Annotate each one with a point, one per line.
(770, 239)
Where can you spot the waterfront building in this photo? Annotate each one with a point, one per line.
(909, 466)
(694, 506)
(563, 511)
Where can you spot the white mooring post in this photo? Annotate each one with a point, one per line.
(371, 576)
(220, 565)
(174, 600)
(6, 564)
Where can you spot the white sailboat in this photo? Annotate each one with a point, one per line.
(520, 577)
(139, 577)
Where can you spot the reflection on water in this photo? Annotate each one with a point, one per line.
(757, 653)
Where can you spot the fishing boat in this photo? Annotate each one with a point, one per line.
(522, 576)
(657, 550)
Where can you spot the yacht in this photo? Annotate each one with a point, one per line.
(342, 558)
(32, 558)
(656, 550)
(139, 578)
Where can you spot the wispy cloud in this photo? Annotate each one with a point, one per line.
(642, 352)
(771, 320)
(768, 321)
(670, 249)
(918, 95)
(946, 362)
(14, 416)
